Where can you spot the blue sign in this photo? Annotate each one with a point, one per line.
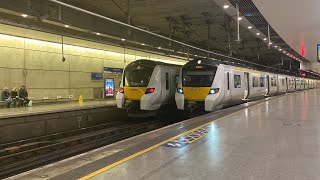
(318, 52)
(113, 70)
(96, 76)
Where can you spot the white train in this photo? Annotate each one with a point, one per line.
(147, 86)
(211, 85)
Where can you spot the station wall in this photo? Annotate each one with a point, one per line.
(33, 58)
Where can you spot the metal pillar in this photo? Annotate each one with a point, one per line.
(129, 17)
(209, 36)
(238, 22)
(229, 38)
(269, 36)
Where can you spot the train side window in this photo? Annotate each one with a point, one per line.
(255, 82)
(237, 81)
(167, 81)
(261, 81)
(228, 77)
(282, 82)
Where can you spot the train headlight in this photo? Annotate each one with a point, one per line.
(180, 90)
(121, 90)
(214, 91)
(150, 90)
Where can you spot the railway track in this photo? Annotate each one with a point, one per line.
(25, 155)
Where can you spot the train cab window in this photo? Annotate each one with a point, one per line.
(167, 81)
(237, 81)
(261, 81)
(198, 76)
(177, 80)
(255, 82)
(138, 76)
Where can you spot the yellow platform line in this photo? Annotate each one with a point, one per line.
(159, 144)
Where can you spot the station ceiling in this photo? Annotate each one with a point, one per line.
(298, 25)
(201, 23)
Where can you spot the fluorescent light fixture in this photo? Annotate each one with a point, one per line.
(195, 55)
(159, 47)
(249, 27)
(270, 42)
(275, 46)
(66, 26)
(123, 39)
(265, 39)
(226, 6)
(280, 49)
(142, 44)
(98, 34)
(24, 15)
(239, 18)
(258, 34)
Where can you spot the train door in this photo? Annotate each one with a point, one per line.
(287, 84)
(167, 84)
(268, 84)
(228, 84)
(246, 85)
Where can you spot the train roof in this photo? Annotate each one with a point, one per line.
(150, 63)
(217, 62)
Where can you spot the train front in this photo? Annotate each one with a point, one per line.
(197, 88)
(134, 86)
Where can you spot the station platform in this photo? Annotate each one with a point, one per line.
(22, 123)
(272, 138)
(52, 108)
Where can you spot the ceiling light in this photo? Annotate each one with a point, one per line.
(195, 55)
(226, 6)
(123, 39)
(142, 44)
(275, 46)
(265, 39)
(280, 49)
(159, 47)
(258, 34)
(239, 18)
(66, 26)
(98, 34)
(270, 42)
(24, 15)
(249, 27)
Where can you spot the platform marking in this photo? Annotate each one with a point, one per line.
(187, 139)
(95, 173)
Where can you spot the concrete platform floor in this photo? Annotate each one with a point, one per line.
(276, 139)
(55, 107)
(279, 139)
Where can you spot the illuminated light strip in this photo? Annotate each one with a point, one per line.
(161, 143)
(43, 42)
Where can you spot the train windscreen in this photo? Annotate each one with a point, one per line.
(198, 75)
(138, 76)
